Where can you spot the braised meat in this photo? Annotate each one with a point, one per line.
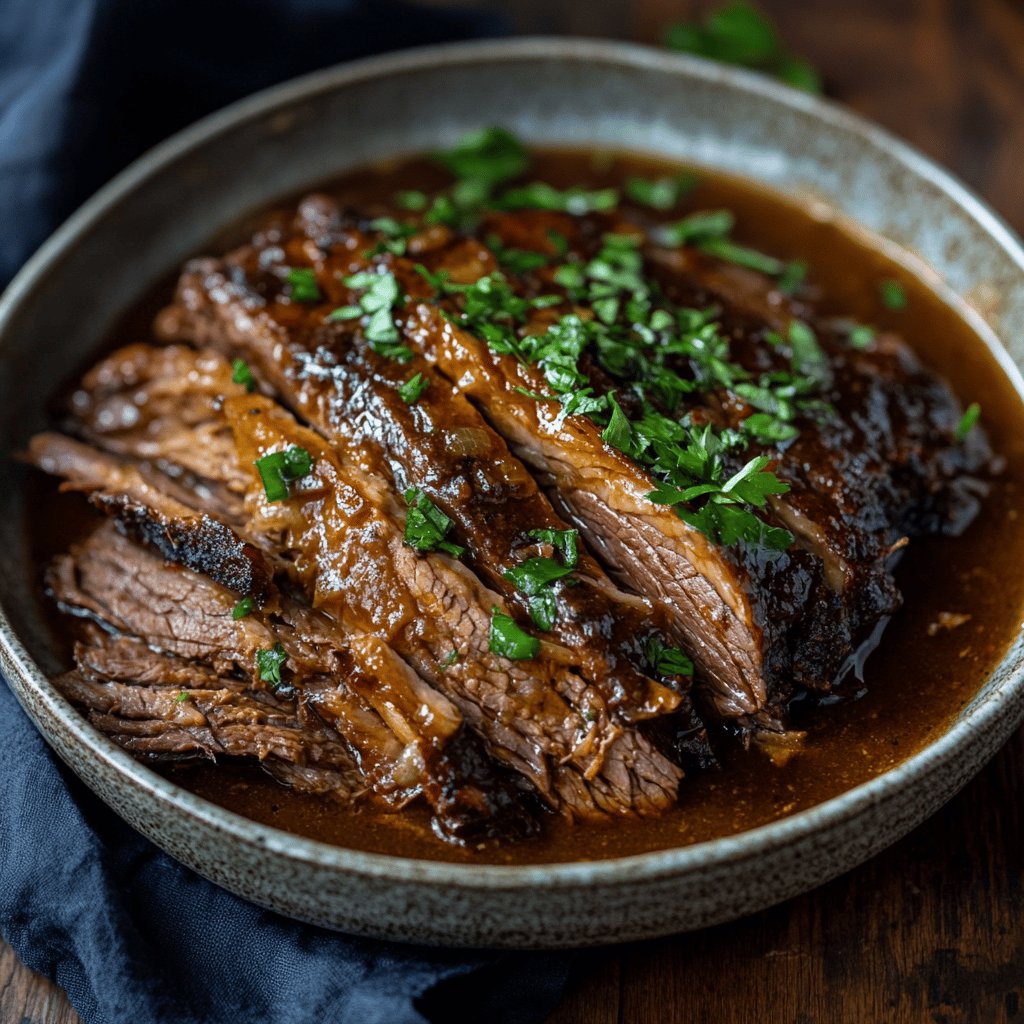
(506, 500)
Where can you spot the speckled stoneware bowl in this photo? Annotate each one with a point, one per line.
(549, 91)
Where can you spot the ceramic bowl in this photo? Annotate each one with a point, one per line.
(165, 206)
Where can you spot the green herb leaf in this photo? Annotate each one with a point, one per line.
(696, 228)
(792, 277)
(540, 196)
(182, 697)
(411, 199)
(269, 662)
(302, 281)
(380, 294)
(426, 525)
(490, 155)
(241, 374)
(739, 34)
(860, 336)
(894, 296)
(967, 422)
(664, 660)
(412, 390)
(507, 640)
(278, 469)
(742, 256)
(661, 193)
(618, 433)
(565, 542)
(449, 659)
(243, 608)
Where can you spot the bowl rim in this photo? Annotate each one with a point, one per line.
(979, 716)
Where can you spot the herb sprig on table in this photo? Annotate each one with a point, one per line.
(740, 34)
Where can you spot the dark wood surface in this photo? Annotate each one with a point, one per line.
(932, 930)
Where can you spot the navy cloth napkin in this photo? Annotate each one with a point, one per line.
(131, 935)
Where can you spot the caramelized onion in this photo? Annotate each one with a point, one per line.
(470, 441)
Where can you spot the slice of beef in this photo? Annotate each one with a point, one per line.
(344, 529)
(193, 539)
(188, 620)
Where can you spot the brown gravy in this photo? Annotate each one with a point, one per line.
(916, 682)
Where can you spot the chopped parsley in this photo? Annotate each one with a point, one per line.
(412, 200)
(412, 390)
(740, 34)
(269, 662)
(661, 193)
(664, 660)
(517, 261)
(278, 469)
(243, 608)
(490, 155)
(894, 295)
(241, 374)
(860, 336)
(792, 277)
(302, 282)
(183, 696)
(395, 233)
(968, 421)
(380, 295)
(450, 659)
(508, 640)
(742, 256)
(538, 195)
(534, 576)
(426, 525)
(699, 227)
(633, 333)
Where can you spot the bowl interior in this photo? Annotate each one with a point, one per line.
(549, 92)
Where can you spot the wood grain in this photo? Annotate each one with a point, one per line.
(932, 930)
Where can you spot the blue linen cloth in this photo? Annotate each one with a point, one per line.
(131, 935)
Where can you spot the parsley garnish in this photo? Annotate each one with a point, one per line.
(241, 374)
(534, 576)
(182, 697)
(967, 422)
(278, 469)
(302, 282)
(518, 261)
(449, 659)
(696, 228)
(412, 390)
(490, 155)
(411, 199)
(426, 525)
(269, 662)
(539, 195)
(894, 295)
(742, 256)
(508, 640)
(792, 277)
(661, 193)
(243, 608)
(380, 295)
(666, 661)
(740, 34)
(860, 336)
(395, 235)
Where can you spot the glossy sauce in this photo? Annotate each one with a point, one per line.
(916, 682)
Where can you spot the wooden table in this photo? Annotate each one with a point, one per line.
(932, 930)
